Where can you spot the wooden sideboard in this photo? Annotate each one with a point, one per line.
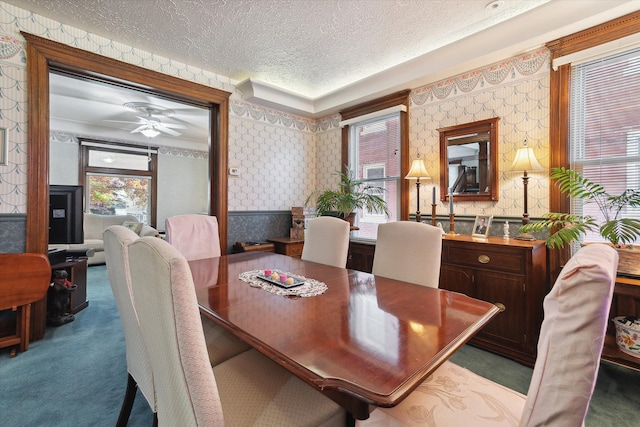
(510, 273)
(288, 246)
(626, 302)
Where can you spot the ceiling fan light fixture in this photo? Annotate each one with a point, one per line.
(150, 132)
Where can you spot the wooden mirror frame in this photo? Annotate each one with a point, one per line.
(488, 125)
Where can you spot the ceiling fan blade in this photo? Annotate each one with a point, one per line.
(123, 121)
(172, 125)
(139, 129)
(167, 130)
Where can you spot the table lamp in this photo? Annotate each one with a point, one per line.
(418, 170)
(525, 160)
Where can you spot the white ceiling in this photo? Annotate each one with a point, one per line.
(313, 57)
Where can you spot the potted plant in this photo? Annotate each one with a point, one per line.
(567, 228)
(352, 194)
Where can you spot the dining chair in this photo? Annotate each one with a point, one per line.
(248, 389)
(194, 235)
(408, 251)
(569, 349)
(326, 240)
(117, 239)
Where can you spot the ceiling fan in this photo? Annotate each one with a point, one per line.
(151, 126)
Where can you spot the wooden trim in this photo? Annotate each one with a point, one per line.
(612, 30)
(44, 55)
(388, 101)
(560, 83)
(398, 98)
(487, 125)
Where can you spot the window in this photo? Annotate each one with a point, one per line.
(604, 127)
(375, 148)
(374, 175)
(375, 159)
(119, 180)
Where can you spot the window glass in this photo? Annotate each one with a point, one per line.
(375, 159)
(119, 195)
(605, 128)
(116, 160)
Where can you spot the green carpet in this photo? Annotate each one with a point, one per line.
(76, 375)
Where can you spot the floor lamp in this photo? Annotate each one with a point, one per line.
(524, 161)
(418, 170)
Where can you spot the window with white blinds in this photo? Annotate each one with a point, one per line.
(605, 127)
(374, 146)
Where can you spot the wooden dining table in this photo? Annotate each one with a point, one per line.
(366, 341)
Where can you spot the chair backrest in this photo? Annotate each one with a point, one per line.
(116, 247)
(165, 300)
(326, 240)
(408, 251)
(571, 337)
(195, 236)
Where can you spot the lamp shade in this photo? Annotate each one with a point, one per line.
(525, 160)
(418, 170)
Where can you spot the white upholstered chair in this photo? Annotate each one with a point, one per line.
(326, 240)
(569, 348)
(116, 241)
(195, 236)
(248, 389)
(408, 251)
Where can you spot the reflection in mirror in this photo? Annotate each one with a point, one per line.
(468, 161)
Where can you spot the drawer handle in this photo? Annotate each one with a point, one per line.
(484, 259)
(500, 306)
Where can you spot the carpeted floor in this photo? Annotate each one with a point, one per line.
(76, 375)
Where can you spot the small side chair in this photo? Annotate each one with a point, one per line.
(408, 251)
(326, 241)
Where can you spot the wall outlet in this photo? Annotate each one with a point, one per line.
(234, 171)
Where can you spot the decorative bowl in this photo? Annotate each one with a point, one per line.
(628, 335)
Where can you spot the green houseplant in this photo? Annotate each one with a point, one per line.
(352, 194)
(566, 228)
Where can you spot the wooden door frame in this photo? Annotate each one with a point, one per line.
(44, 55)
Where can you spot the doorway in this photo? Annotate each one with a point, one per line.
(43, 55)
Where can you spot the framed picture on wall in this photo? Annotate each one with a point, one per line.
(481, 226)
(3, 146)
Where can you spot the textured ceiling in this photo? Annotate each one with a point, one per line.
(309, 47)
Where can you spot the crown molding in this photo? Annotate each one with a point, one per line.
(524, 33)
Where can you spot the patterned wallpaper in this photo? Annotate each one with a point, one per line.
(517, 91)
(282, 157)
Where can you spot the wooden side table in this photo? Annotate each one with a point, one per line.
(288, 246)
(77, 270)
(239, 247)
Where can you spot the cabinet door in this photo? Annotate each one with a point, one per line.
(507, 289)
(457, 279)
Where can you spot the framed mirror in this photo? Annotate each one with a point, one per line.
(469, 161)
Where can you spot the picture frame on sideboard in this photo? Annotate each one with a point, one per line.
(481, 226)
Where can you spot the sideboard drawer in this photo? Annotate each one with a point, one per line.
(497, 260)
